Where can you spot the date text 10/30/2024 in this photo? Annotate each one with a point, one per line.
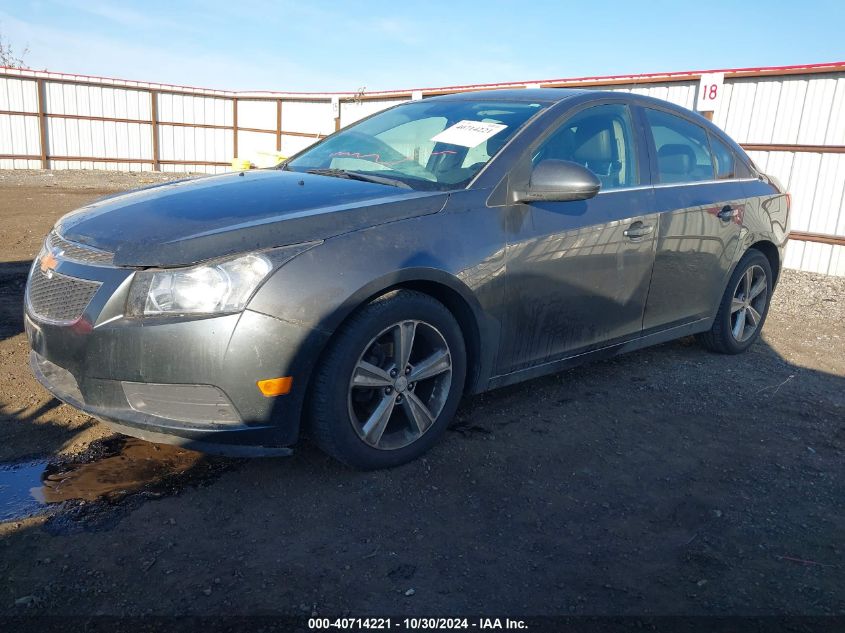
(416, 623)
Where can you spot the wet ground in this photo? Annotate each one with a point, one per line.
(667, 481)
(108, 471)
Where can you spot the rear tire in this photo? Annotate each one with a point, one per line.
(744, 306)
(389, 383)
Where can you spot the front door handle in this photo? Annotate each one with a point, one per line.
(638, 229)
(727, 213)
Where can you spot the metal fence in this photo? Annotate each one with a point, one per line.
(791, 120)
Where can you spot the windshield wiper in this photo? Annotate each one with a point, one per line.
(355, 175)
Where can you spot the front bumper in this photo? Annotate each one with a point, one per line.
(90, 362)
(238, 441)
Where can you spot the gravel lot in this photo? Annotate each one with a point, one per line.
(667, 481)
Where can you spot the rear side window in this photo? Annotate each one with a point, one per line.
(683, 151)
(742, 170)
(724, 158)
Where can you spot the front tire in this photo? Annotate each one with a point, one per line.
(389, 382)
(744, 306)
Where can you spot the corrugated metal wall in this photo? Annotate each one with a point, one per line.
(801, 110)
(192, 128)
(19, 133)
(791, 120)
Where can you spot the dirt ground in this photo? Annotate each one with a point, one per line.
(667, 481)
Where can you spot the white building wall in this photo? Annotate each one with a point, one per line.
(19, 134)
(312, 117)
(353, 111)
(682, 93)
(205, 144)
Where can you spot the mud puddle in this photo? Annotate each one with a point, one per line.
(107, 473)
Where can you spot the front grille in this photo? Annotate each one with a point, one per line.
(75, 252)
(58, 298)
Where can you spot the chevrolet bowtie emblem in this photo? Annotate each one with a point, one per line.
(48, 264)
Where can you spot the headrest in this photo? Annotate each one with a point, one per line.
(675, 158)
(593, 142)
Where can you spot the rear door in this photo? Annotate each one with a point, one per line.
(578, 271)
(701, 207)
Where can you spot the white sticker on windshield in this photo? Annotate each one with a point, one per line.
(468, 133)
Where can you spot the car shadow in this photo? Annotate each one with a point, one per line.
(31, 426)
(12, 285)
(35, 431)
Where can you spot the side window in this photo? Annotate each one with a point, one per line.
(742, 170)
(600, 138)
(683, 152)
(724, 158)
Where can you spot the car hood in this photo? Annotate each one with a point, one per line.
(189, 221)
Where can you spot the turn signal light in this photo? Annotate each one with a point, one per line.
(276, 386)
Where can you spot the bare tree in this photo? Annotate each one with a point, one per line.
(9, 58)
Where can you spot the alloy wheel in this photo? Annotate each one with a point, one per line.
(400, 384)
(749, 303)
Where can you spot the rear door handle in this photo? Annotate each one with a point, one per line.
(638, 229)
(727, 213)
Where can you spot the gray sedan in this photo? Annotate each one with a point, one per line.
(442, 247)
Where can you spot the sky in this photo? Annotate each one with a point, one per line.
(318, 45)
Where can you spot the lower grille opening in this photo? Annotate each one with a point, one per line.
(185, 403)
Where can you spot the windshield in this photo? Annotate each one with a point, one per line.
(427, 145)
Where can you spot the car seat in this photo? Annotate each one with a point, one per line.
(675, 162)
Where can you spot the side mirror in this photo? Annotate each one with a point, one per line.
(558, 180)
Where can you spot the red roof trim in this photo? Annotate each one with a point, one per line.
(131, 83)
(768, 70)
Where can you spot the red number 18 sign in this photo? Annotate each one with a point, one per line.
(710, 89)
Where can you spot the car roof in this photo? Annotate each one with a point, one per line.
(556, 95)
(527, 95)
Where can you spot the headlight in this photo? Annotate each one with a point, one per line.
(221, 287)
(213, 288)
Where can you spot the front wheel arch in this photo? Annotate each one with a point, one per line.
(479, 331)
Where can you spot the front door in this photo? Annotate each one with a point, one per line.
(578, 272)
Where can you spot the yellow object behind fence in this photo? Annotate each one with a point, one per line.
(258, 160)
(267, 159)
(241, 164)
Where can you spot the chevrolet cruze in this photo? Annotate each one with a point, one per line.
(443, 247)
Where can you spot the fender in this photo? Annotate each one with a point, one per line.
(407, 276)
(481, 332)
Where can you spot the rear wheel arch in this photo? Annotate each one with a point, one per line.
(768, 248)
(772, 254)
(722, 336)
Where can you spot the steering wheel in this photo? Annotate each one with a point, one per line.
(374, 150)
